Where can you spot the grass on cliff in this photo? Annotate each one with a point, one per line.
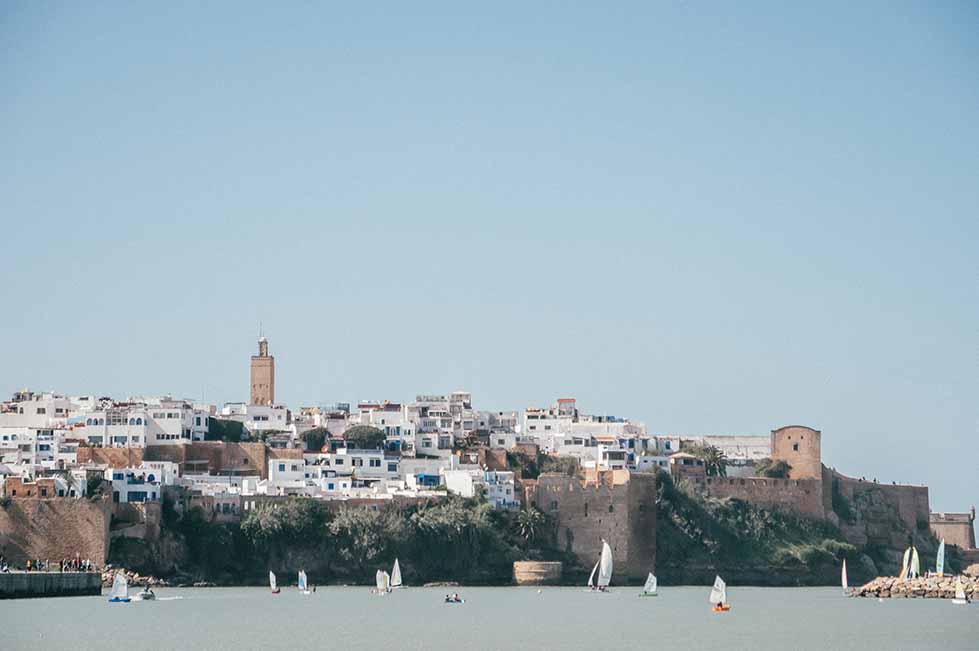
(693, 529)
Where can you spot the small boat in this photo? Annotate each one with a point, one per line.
(846, 586)
(303, 585)
(718, 596)
(395, 576)
(915, 563)
(649, 590)
(272, 583)
(454, 599)
(146, 594)
(940, 559)
(960, 599)
(382, 582)
(120, 589)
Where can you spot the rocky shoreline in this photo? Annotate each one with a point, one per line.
(888, 587)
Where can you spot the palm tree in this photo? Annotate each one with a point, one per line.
(715, 461)
(529, 523)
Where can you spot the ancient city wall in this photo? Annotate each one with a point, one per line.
(54, 528)
(113, 457)
(801, 496)
(880, 514)
(622, 514)
(955, 528)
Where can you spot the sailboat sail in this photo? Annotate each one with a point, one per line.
(120, 587)
(650, 587)
(959, 590)
(905, 564)
(379, 581)
(915, 563)
(846, 585)
(718, 594)
(272, 582)
(302, 580)
(591, 577)
(940, 559)
(396, 575)
(605, 566)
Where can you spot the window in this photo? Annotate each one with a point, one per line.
(42, 410)
(392, 467)
(553, 505)
(586, 509)
(795, 447)
(375, 463)
(358, 462)
(338, 461)
(282, 467)
(329, 487)
(44, 492)
(611, 508)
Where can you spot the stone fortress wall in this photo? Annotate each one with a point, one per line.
(618, 507)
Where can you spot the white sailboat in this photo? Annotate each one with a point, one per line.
(591, 577)
(396, 575)
(303, 582)
(604, 568)
(381, 581)
(120, 589)
(272, 583)
(940, 559)
(915, 563)
(960, 599)
(846, 585)
(649, 589)
(718, 595)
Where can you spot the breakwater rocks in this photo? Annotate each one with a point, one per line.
(134, 578)
(920, 588)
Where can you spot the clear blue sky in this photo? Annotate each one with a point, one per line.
(713, 218)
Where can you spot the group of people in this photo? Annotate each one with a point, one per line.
(453, 599)
(66, 565)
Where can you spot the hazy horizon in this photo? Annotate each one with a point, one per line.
(709, 218)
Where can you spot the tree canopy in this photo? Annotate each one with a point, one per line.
(774, 469)
(315, 438)
(364, 437)
(715, 461)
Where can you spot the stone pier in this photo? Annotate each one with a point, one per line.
(25, 585)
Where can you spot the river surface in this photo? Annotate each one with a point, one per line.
(349, 619)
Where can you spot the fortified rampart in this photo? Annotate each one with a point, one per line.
(802, 496)
(54, 528)
(878, 514)
(619, 508)
(955, 528)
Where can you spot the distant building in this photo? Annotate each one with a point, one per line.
(263, 375)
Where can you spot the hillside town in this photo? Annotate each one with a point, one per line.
(135, 453)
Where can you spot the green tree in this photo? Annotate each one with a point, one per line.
(224, 430)
(364, 437)
(364, 538)
(715, 461)
(530, 522)
(315, 438)
(774, 469)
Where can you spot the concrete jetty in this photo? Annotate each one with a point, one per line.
(25, 585)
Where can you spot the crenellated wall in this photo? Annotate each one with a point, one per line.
(586, 512)
(801, 496)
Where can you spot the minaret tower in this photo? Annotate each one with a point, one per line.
(263, 375)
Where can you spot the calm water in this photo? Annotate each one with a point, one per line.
(349, 619)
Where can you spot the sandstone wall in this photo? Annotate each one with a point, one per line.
(955, 528)
(882, 514)
(801, 496)
(623, 514)
(113, 457)
(54, 528)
